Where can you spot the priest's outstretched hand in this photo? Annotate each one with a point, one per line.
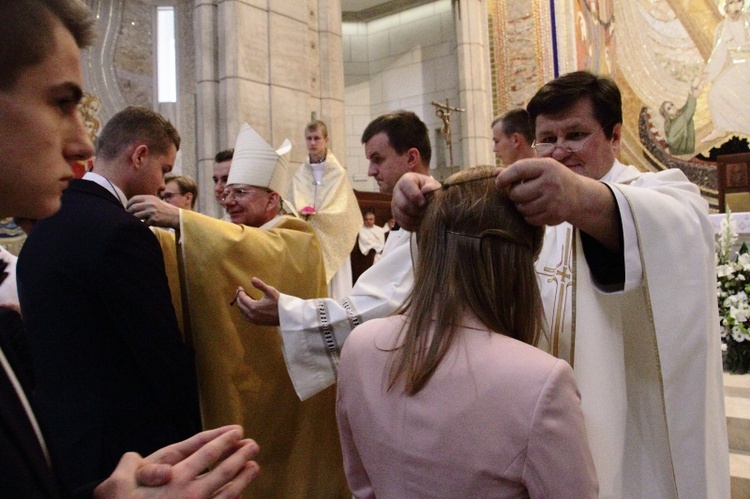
(547, 192)
(264, 311)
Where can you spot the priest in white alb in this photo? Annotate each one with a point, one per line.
(371, 237)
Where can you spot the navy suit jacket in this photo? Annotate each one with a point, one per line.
(25, 472)
(112, 374)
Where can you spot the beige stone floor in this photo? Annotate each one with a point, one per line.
(737, 404)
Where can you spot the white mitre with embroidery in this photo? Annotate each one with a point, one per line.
(256, 163)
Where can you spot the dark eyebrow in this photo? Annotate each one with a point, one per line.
(70, 87)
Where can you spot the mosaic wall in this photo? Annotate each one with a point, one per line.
(521, 51)
(683, 68)
(118, 69)
(134, 54)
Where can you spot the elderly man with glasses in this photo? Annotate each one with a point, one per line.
(629, 290)
(242, 376)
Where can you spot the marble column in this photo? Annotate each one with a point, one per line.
(278, 63)
(328, 97)
(475, 89)
(206, 102)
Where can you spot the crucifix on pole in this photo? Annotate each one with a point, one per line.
(443, 111)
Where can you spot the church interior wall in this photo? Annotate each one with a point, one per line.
(400, 61)
(120, 69)
(227, 71)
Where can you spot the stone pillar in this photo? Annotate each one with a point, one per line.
(206, 102)
(185, 106)
(328, 95)
(278, 64)
(475, 91)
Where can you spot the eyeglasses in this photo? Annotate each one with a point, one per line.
(166, 196)
(240, 193)
(568, 145)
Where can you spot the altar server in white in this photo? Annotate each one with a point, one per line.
(320, 191)
(629, 290)
(371, 237)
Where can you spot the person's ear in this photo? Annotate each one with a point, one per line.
(273, 201)
(138, 156)
(189, 196)
(616, 136)
(413, 158)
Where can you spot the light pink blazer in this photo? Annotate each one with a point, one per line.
(499, 418)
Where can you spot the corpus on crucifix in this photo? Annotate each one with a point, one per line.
(443, 111)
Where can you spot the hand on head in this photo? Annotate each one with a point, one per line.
(178, 470)
(154, 211)
(410, 197)
(545, 191)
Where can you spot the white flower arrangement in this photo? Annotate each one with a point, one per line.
(733, 284)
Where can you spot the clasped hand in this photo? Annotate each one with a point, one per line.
(178, 470)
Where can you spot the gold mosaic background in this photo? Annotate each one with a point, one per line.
(654, 49)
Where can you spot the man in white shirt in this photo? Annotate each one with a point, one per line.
(314, 330)
(371, 237)
(512, 135)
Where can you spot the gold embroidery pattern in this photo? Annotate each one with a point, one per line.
(561, 276)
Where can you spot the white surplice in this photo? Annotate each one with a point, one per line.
(371, 238)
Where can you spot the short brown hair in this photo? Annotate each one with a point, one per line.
(516, 121)
(404, 130)
(564, 92)
(136, 124)
(225, 155)
(26, 32)
(317, 125)
(185, 184)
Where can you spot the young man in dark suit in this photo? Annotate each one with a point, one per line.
(41, 133)
(112, 373)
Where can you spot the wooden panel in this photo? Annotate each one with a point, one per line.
(378, 203)
(733, 176)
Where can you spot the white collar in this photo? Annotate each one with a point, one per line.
(614, 172)
(105, 182)
(271, 223)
